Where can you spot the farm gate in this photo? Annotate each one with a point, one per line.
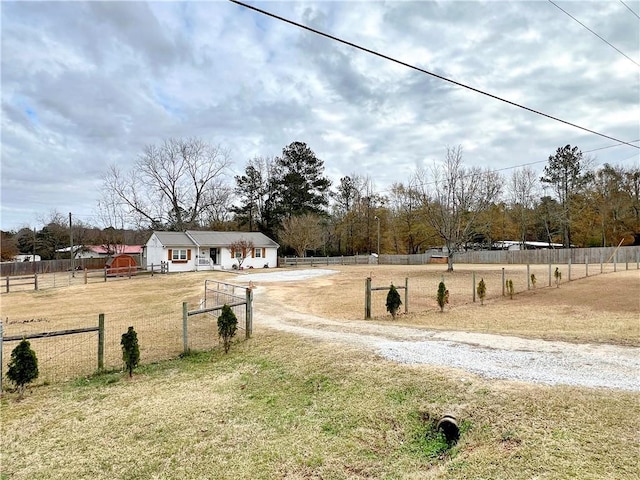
(200, 326)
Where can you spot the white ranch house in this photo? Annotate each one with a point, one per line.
(192, 250)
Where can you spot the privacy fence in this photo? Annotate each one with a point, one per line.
(95, 345)
(500, 257)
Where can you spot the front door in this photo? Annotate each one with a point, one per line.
(213, 253)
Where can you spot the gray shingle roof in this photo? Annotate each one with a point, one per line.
(213, 239)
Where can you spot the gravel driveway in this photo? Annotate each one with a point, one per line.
(492, 356)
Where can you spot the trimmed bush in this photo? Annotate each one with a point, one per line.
(227, 326)
(558, 276)
(509, 284)
(393, 301)
(130, 350)
(482, 291)
(442, 296)
(23, 366)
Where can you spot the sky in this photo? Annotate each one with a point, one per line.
(87, 85)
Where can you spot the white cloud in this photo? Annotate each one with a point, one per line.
(85, 85)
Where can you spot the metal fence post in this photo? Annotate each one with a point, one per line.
(185, 338)
(528, 277)
(586, 265)
(249, 313)
(406, 294)
(569, 265)
(100, 341)
(503, 281)
(367, 298)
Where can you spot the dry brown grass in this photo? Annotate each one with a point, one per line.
(600, 308)
(280, 406)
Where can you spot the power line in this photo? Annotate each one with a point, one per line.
(605, 41)
(629, 8)
(413, 67)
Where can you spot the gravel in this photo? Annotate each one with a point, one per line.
(491, 356)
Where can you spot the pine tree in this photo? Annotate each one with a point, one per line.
(130, 350)
(443, 296)
(533, 280)
(227, 326)
(23, 366)
(393, 301)
(482, 291)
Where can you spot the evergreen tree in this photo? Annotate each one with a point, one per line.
(227, 326)
(558, 276)
(482, 291)
(130, 350)
(393, 301)
(23, 366)
(299, 182)
(509, 285)
(442, 296)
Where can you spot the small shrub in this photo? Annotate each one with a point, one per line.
(533, 280)
(393, 301)
(23, 366)
(558, 276)
(509, 284)
(227, 327)
(482, 291)
(443, 296)
(130, 350)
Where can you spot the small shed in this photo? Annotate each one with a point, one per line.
(121, 265)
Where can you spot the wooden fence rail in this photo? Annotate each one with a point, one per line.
(17, 281)
(369, 289)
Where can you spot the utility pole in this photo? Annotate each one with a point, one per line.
(71, 254)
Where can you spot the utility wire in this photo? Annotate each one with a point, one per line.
(413, 67)
(605, 41)
(629, 8)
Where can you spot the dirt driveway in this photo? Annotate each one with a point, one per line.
(493, 356)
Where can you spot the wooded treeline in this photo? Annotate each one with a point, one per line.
(185, 184)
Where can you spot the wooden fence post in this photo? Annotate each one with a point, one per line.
(1, 342)
(185, 338)
(105, 273)
(367, 298)
(615, 262)
(569, 265)
(586, 265)
(503, 281)
(601, 268)
(7, 278)
(406, 294)
(528, 277)
(35, 281)
(549, 273)
(100, 341)
(249, 313)
(85, 275)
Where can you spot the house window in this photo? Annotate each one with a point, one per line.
(179, 254)
(257, 252)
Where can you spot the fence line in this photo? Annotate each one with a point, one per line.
(630, 254)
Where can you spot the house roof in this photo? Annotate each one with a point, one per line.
(215, 239)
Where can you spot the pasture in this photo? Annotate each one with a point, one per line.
(281, 406)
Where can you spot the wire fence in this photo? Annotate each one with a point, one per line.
(422, 286)
(63, 356)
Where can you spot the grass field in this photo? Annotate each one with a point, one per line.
(280, 406)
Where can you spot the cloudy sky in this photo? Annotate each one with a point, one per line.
(88, 85)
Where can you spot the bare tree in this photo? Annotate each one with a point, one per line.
(171, 185)
(241, 249)
(458, 196)
(523, 190)
(302, 233)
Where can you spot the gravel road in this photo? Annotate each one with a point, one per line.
(492, 356)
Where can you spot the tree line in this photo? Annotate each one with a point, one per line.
(185, 184)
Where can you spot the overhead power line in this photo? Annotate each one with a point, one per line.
(630, 9)
(413, 67)
(605, 41)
